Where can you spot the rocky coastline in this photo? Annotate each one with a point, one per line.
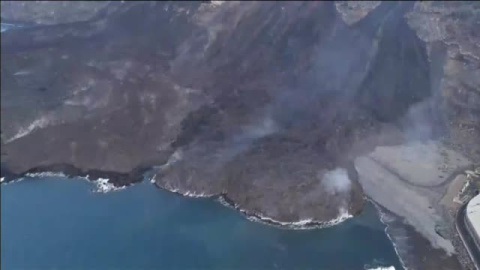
(289, 112)
(69, 171)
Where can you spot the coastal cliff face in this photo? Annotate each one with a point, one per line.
(267, 103)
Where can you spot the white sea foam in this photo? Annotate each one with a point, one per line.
(190, 194)
(385, 219)
(300, 224)
(382, 268)
(103, 186)
(196, 195)
(344, 215)
(39, 175)
(46, 174)
(13, 181)
(1, 179)
(303, 224)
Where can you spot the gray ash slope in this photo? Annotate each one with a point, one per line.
(260, 101)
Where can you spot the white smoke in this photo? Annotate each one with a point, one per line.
(264, 127)
(242, 141)
(42, 122)
(336, 181)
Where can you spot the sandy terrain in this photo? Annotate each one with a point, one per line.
(411, 185)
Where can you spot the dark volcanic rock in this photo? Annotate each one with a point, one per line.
(265, 102)
(104, 105)
(452, 33)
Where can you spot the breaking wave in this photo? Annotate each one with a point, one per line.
(46, 174)
(102, 185)
(304, 224)
(397, 236)
(382, 268)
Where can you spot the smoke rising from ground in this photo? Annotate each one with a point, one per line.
(336, 181)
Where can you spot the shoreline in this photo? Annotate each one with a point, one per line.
(104, 185)
(106, 182)
(306, 224)
(382, 215)
(369, 262)
(223, 199)
(117, 179)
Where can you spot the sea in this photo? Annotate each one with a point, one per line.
(63, 223)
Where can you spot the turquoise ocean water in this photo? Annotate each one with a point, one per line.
(55, 223)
